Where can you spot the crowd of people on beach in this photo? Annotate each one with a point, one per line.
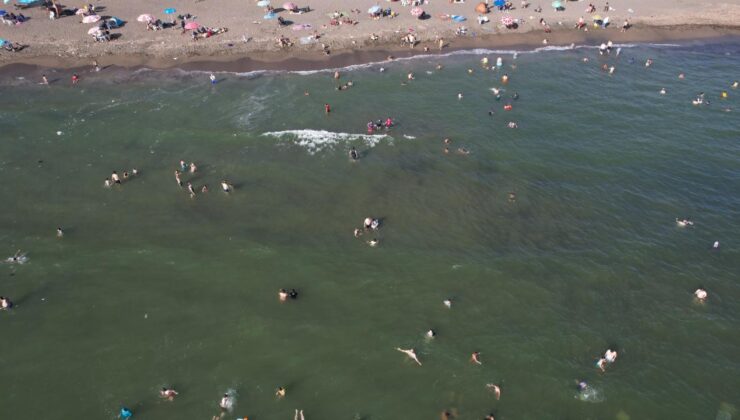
(371, 225)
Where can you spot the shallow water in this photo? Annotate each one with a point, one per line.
(151, 288)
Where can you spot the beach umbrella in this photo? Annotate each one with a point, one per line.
(290, 6)
(90, 19)
(481, 8)
(3, 12)
(118, 22)
(417, 11)
(80, 12)
(373, 10)
(192, 25)
(499, 3)
(27, 1)
(270, 16)
(596, 18)
(557, 4)
(2, 42)
(169, 11)
(507, 20)
(93, 30)
(263, 3)
(145, 18)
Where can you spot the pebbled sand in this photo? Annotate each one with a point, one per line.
(65, 43)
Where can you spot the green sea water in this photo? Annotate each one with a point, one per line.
(150, 287)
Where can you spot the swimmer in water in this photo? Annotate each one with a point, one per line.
(648, 62)
(204, 189)
(168, 393)
(582, 386)
(225, 404)
(18, 258)
(60, 232)
(293, 294)
(489, 417)
(684, 222)
(601, 364)
(107, 183)
(125, 413)
(283, 295)
(681, 76)
(5, 303)
(512, 197)
(410, 353)
(368, 222)
(447, 303)
(191, 190)
(373, 242)
(610, 356)
(183, 166)
(463, 151)
(662, 91)
(114, 177)
(193, 168)
(297, 414)
(734, 85)
(430, 334)
(459, 96)
(177, 178)
(357, 232)
(512, 124)
(715, 245)
(475, 358)
(700, 294)
(495, 389)
(410, 76)
(353, 155)
(226, 187)
(280, 392)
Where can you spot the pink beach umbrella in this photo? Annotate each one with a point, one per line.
(145, 18)
(417, 12)
(192, 25)
(90, 19)
(94, 30)
(507, 20)
(290, 6)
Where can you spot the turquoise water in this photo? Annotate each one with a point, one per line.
(151, 288)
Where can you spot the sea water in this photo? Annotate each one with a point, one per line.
(150, 287)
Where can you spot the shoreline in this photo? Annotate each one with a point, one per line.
(305, 59)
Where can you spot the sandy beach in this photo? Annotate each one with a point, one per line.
(251, 40)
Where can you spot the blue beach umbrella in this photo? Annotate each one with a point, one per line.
(2, 42)
(27, 1)
(557, 4)
(270, 16)
(169, 11)
(3, 13)
(263, 3)
(499, 3)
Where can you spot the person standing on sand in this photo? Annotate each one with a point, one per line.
(96, 67)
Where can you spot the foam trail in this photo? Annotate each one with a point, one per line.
(317, 140)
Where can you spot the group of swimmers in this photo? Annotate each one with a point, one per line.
(193, 168)
(379, 124)
(368, 225)
(116, 179)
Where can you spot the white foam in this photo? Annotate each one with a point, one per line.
(315, 141)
